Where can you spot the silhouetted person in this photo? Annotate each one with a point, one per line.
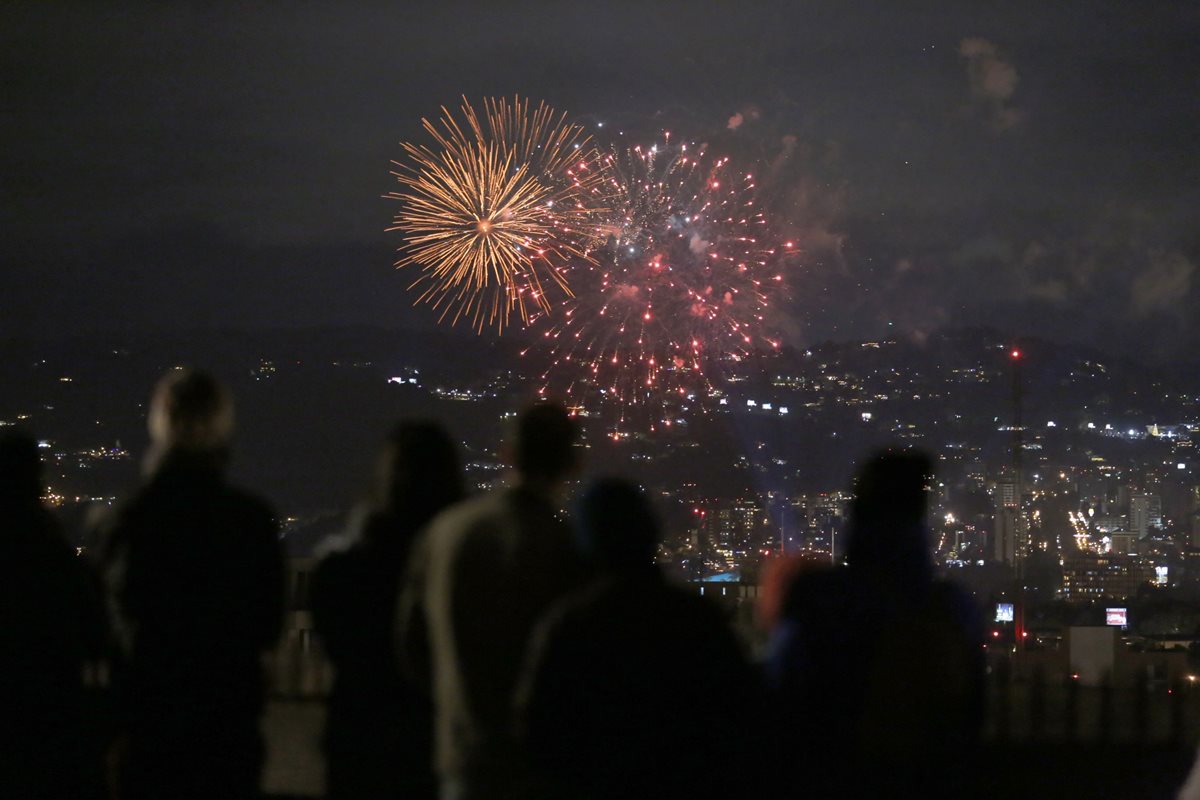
(195, 577)
(878, 667)
(487, 570)
(1191, 786)
(635, 687)
(379, 731)
(51, 625)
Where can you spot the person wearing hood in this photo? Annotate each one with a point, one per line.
(629, 683)
(877, 667)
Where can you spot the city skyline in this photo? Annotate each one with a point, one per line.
(1108, 446)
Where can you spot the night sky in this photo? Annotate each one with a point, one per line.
(1030, 167)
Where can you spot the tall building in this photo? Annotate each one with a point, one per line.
(1145, 512)
(730, 528)
(1007, 526)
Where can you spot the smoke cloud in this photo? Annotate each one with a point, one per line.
(993, 81)
(1163, 284)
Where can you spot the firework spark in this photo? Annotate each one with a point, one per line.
(679, 289)
(496, 209)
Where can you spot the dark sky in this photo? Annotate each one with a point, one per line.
(1032, 166)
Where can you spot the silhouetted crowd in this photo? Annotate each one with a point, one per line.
(488, 646)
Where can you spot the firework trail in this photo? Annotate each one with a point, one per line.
(677, 292)
(496, 209)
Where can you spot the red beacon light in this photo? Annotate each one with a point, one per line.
(1015, 354)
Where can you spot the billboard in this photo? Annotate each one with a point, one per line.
(1004, 612)
(1117, 617)
(1160, 576)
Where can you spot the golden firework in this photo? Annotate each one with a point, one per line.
(496, 210)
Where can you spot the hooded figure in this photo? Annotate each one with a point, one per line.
(628, 682)
(878, 666)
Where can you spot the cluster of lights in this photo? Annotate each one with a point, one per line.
(680, 285)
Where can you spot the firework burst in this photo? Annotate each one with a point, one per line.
(496, 209)
(678, 290)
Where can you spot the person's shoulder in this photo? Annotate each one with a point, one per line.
(112, 525)
(622, 600)
(467, 509)
(447, 532)
(950, 591)
(593, 597)
(122, 511)
(337, 578)
(576, 614)
(248, 504)
(347, 553)
(950, 595)
(36, 534)
(816, 585)
(334, 565)
(956, 602)
(525, 501)
(804, 575)
(476, 513)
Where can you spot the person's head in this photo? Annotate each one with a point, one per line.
(617, 528)
(891, 495)
(543, 448)
(418, 471)
(190, 410)
(20, 470)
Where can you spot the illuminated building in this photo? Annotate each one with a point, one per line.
(1008, 526)
(1113, 577)
(1123, 542)
(1145, 512)
(734, 527)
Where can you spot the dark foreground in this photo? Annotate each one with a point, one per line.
(1118, 770)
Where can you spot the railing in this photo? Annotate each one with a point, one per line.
(1041, 705)
(1041, 709)
(1046, 735)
